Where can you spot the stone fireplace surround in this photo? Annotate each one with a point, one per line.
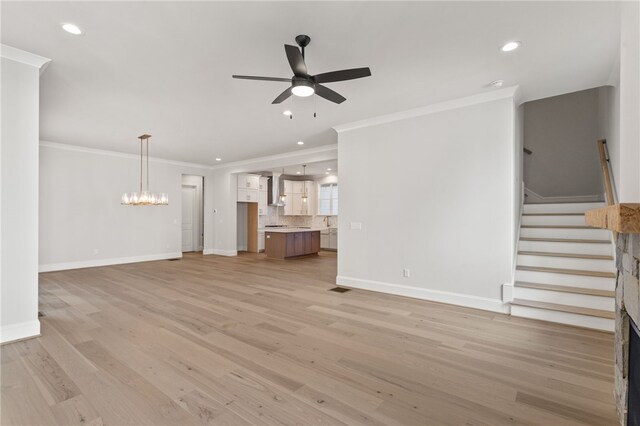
(627, 309)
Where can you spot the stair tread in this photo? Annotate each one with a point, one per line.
(552, 214)
(571, 255)
(565, 240)
(565, 308)
(600, 274)
(559, 226)
(566, 289)
(565, 203)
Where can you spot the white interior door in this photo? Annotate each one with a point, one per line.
(189, 243)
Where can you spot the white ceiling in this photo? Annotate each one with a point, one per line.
(165, 67)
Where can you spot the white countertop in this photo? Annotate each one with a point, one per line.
(290, 230)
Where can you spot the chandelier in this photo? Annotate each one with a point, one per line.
(146, 197)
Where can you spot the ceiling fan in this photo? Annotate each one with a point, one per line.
(302, 83)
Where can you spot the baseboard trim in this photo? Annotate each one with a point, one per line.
(107, 262)
(220, 252)
(207, 251)
(484, 303)
(507, 293)
(21, 331)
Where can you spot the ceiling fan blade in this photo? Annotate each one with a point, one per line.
(342, 75)
(296, 60)
(251, 77)
(282, 96)
(329, 94)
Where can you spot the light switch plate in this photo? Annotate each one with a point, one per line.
(356, 225)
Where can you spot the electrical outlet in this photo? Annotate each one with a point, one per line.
(96, 251)
(406, 273)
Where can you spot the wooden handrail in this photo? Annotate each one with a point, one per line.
(606, 176)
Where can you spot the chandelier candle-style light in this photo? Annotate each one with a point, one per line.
(146, 197)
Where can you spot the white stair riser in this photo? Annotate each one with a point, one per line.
(586, 234)
(567, 263)
(562, 298)
(566, 279)
(578, 248)
(560, 208)
(553, 220)
(563, 318)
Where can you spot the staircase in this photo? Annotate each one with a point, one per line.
(565, 270)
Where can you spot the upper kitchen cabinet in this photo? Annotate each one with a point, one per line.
(263, 196)
(249, 181)
(248, 188)
(295, 204)
(263, 184)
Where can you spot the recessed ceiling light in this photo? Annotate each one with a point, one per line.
(328, 169)
(218, 159)
(287, 113)
(72, 29)
(298, 173)
(512, 45)
(496, 83)
(300, 143)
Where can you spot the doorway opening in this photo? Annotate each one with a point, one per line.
(192, 213)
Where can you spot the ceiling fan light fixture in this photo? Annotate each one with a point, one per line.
(302, 88)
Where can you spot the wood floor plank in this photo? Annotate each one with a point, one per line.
(251, 341)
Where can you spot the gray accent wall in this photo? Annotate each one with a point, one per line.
(562, 132)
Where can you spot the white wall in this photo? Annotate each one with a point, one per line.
(562, 131)
(629, 95)
(19, 194)
(82, 222)
(623, 118)
(433, 193)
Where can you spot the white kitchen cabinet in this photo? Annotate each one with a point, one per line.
(295, 206)
(249, 182)
(262, 203)
(247, 195)
(248, 188)
(324, 239)
(333, 239)
(263, 184)
(329, 239)
(288, 187)
(297, 187)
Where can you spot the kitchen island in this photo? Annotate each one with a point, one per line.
(286, 243)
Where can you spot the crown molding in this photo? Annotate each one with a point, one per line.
(494, 95)
(96, 151)
(248, 162)
(24, 57)
(277, 157)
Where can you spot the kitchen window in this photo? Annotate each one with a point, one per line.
(328, 199)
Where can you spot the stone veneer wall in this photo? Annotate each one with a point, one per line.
(627, 306)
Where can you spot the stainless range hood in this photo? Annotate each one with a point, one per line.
(275, 187)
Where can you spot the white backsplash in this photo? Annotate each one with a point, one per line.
(275, 216)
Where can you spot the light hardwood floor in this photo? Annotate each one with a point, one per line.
(250, 340)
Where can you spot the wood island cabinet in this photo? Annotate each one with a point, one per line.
(283, 245)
